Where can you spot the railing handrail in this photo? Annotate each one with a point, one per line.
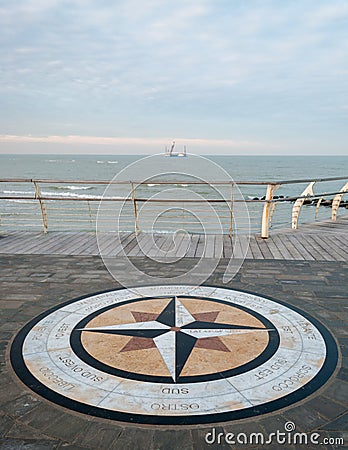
(161, 200)
(227, 183)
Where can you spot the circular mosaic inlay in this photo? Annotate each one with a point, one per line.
(174, 354)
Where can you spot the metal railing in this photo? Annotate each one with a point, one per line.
(56, 205)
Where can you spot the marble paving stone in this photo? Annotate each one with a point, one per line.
(28, 444)
(165, 439)
(67, 428)
(6, 424)
(215, 439)
(99, 436)
(340, 423)
(21, 405)
(140, 438)
(326, 407)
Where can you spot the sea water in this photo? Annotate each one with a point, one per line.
(106, 167)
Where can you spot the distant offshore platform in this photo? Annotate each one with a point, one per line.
(170, 152)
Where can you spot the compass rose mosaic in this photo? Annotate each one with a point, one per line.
(174, 354)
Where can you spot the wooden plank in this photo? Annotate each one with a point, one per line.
(276, 254)
(146, 245)
(103, 240)
(327, 248)
(160, 240)
(9, 240)
(193, 246)
(92, 248)
(227, 246)
(200, 246)
(35, 245)
(263, 246)
(255, 251)
(312, 247)
(121, 246)
(339, 244)
(218, 247)
(179, 237)
(282, 248)
(154, 250)
(245, 242)
(296, 255)
(62, 242)
(19, 241)
(184, 246)
(114, 243)
(297, 240)
(237, 247)
(209, 247)
(135, 251)
(168, 244)
(87, 245)
(128, 244)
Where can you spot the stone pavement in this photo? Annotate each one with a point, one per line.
(31, 284)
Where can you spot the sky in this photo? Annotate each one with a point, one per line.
(130, 76)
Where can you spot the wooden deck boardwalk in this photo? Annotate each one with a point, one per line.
(321, 241)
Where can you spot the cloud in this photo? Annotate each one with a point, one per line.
(128, 141)
(245, 71)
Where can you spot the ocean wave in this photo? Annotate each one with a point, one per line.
(18, 192)
(71, 188)
(74, 195)
(66, 194)
(56, 194)
(60, 160)
(19, 201)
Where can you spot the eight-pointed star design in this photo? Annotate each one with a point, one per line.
(175, 333)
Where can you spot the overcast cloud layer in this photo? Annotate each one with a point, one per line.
(224, 76)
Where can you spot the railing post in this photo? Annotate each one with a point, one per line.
(271, 212)
(266, 211)
(337, 200)
(231, 212)
(317, 207)
(90, 211)
(42, 206)
(298, 205)
(135, 209)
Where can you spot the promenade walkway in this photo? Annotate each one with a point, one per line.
(307, 269)
(325, 241)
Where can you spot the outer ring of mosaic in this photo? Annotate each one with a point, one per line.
(283, 395)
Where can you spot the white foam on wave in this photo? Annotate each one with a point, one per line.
(18, 192)
(66, 194)
(72, 188)
(56, 194)
(60, 160)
